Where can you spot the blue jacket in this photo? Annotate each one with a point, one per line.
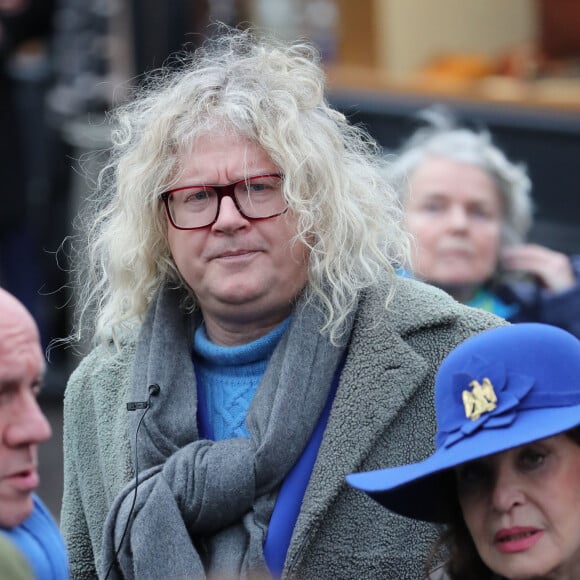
(531, 303)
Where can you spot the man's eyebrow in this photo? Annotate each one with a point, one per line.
(9, 383)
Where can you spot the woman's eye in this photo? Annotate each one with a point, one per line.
(481, 213)
(471, 475)
(433, 207)
(531, 458)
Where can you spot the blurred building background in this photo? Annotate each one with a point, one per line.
(513, 67)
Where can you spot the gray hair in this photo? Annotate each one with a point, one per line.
(442, 138)
(269, 92)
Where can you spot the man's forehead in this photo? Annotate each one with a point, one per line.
(20, 350)
(17, 371)
(14, 318)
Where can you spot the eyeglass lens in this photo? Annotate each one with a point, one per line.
(255, 197)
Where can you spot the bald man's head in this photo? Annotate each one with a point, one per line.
(13, 311)
(22, 424)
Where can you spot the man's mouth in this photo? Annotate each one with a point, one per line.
(25, 480)
(232, 254)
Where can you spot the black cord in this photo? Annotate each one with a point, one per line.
(153, 391)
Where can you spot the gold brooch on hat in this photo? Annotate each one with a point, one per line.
(481, 399)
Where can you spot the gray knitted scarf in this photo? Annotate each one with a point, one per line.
(203, 507)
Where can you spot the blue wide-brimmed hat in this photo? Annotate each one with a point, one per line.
(497, 390)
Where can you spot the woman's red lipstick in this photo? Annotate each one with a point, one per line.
(518, 539)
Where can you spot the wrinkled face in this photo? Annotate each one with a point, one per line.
(454, 211)
(522, 508)
(22, 424)
(244, 273)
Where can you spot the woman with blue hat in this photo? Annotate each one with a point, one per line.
(505, 474)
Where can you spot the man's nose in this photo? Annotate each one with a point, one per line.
(28, 425)
(229, 216)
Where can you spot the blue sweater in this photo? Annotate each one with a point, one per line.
(39, 539)
(227, 379)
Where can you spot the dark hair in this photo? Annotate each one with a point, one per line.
(574, 434)
(463, 560)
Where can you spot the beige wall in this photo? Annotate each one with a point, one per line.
(410, 32)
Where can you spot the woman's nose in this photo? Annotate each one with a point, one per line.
(507, 491)
(457, 218)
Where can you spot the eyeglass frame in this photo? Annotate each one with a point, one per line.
(227, 190)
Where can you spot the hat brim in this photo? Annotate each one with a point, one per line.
(415, 490)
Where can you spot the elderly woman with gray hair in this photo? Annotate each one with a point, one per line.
(469, 210)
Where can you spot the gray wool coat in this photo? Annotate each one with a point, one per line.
(382, 416)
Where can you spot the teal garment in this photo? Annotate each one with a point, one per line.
(483, 299)
(228, 377)
(489, 302)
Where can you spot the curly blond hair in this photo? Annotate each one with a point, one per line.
(273, 94)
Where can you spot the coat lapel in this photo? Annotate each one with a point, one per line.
(381, 373)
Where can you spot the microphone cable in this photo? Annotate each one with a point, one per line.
(154, 391)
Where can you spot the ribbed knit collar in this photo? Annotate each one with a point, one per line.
(254, 351)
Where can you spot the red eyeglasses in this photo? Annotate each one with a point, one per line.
(197, 206)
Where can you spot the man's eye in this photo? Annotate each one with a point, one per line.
(196, 195)
(6, 395)
(37, 387)
(257, 187)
